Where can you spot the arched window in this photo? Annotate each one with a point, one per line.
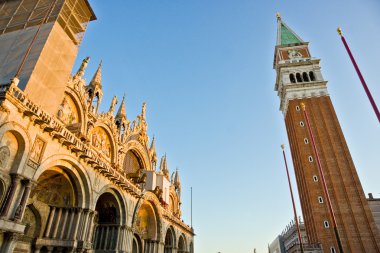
(305, 77)
(312, 76)
(169, 241)
(181, 245)
(299, 78)
(292, 78)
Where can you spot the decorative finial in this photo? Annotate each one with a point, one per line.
(340, 31)
(303, 106)
(113, 103)
(278, 15)
(282, 146)
(143, 110)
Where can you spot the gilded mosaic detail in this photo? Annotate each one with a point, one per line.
(67, 111)
(100, 140)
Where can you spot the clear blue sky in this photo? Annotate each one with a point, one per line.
(204, 67)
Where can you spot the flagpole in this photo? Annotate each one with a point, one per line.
(15, 80)
(321, 173)
(367, 91)
(291, 194)
(191, 206)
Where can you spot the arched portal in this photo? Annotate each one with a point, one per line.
(146, 226)
(181, 245)
(52, 208)
(108, 223)
(136, 244)
(169, 241)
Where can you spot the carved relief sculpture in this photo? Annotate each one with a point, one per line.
(294, 54)
(37, 150)
(100, 140)
(113, 103)
(4, 156)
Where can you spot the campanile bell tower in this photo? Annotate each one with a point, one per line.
(299, 80)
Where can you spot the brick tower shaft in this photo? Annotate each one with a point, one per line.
(299, 79)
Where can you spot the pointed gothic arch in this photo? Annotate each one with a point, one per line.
(170, 242)
(182, 244)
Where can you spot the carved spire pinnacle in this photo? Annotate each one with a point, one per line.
(143, 111)
(152, 152)
(164, 167)
(97, 78)
(82, 68)
(176, 178)
(94, 90)
(152, 146)
(121, 115)
(112, 107)
(177, 183)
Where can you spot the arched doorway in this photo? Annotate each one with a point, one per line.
(169, 241)
(107, 223)
(146, 227)
(136, 244)
(51, 211)
(181, 245)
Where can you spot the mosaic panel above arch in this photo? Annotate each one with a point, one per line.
(68, 112)
(101, 141)
(146, 223)
(54, 187)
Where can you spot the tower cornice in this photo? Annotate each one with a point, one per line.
(301, 91)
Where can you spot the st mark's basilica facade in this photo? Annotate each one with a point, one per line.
(72, 178)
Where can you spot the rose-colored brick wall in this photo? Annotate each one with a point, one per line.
(355, 222)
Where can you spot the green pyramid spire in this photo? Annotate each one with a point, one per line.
(285, 35)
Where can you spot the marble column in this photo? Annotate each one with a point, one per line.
(37, 249)
(161, 246)
(78, 214)
(70, 227)
(9, 242)
(50, 221)
(84, 223)
(122, 239)
(56, 223)
(61, 233)
(129, 239)
(21, 207)
(9, 199)
(90, 234)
